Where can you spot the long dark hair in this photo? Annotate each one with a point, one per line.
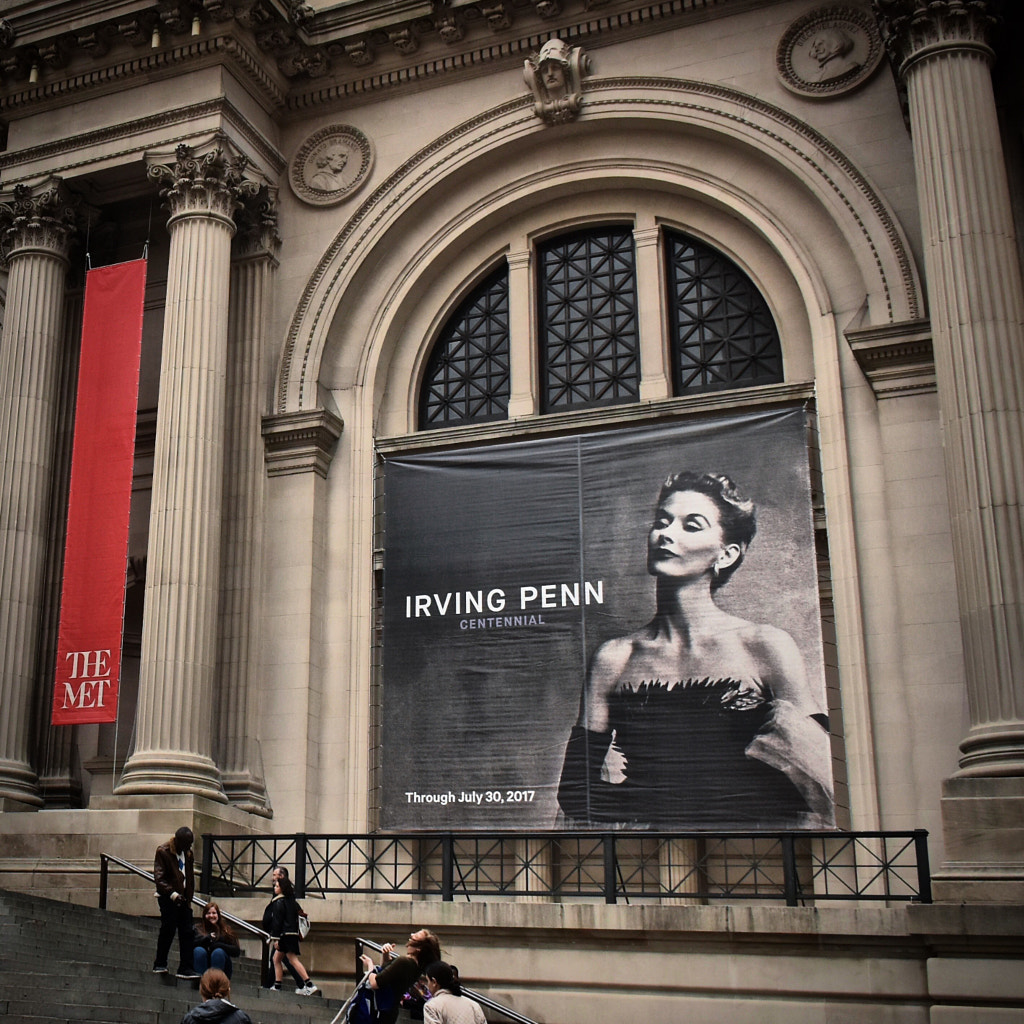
(287, 889)
(426, 950)
(445, 975)
(223, 928)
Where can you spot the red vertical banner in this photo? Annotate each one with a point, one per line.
(92, 598)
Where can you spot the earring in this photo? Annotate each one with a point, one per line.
(714, 569)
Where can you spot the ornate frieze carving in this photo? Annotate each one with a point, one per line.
(211, 183)
(404, 40)
(41, 219)
(497, 15)
(331, 165)
(829, 51)
(7, 34)
(555, 77)
(915, 28)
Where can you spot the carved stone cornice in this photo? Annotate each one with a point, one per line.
(913, 30)
(313, 47)
(301, 442)
(41, 220)
(897, 359)
(208, 183)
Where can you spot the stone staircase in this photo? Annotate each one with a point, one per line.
(64, 962)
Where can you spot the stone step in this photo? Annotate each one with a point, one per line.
(62, 962)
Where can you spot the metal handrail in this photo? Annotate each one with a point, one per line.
(265, 937)
(468, 992)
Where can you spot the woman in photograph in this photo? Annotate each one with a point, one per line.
(699, 718)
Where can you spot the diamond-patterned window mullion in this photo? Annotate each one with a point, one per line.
(588, 319)
(467, 375)
(722, 332)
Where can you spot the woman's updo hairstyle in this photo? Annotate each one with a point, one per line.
(445, 975)
(737, 514)
(214, 984)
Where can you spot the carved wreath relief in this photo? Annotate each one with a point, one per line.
(555, 77)
(331, 165)
(829, 51)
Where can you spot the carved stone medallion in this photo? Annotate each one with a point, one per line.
(331, 165)
(829, 51)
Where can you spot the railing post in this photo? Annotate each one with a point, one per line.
(790, 880)
(206, 867)
(103, 881)
(447, 868)
(608, 842)
(300, 865)
(924, 871)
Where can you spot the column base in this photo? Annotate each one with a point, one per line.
(171, 771)
(983, 828)
(246, 793)
(19, 786)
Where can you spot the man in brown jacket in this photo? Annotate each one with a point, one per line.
(173, 872)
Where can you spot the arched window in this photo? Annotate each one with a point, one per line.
(588, 331)
(722, 333)
(467, 377)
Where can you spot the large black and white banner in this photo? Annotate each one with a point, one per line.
(615, 629)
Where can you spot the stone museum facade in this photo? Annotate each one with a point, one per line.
(345, 207)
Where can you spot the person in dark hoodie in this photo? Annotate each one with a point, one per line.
(215, 1008)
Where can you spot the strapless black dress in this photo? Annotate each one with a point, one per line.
(683, 761)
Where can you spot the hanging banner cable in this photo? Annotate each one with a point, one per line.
(88, 665)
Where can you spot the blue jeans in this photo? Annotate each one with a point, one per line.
(216, 958)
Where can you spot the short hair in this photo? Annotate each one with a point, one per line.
(428, 949)
(183, 838)
(445, 975)
(737, 514)
(282, 869)
(214, 984)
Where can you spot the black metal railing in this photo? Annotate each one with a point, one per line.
(792, 867)
(108, 859)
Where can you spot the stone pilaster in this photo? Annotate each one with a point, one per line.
(36, 230)
(57, 745)
(173, 746)
(976, 298)
(236, 744)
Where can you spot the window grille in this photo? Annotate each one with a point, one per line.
(722, 334)
(467, 376)
(588, 328)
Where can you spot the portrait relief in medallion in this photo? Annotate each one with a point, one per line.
(331, 165)
(829, 51)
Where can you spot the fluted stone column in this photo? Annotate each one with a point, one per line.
(56, 745)
(976, 302)
(37, 228)
(236, 743)
(173, 746)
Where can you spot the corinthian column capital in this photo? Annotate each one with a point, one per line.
(208, 182)
(257, 236)
(916, 29)
(40, 220)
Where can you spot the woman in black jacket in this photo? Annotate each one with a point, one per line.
(215, 942)
(281, 921)
(215, 989)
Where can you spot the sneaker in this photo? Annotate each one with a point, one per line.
(309, 989)
(157, 969)
(276, 987)
(187, 975)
